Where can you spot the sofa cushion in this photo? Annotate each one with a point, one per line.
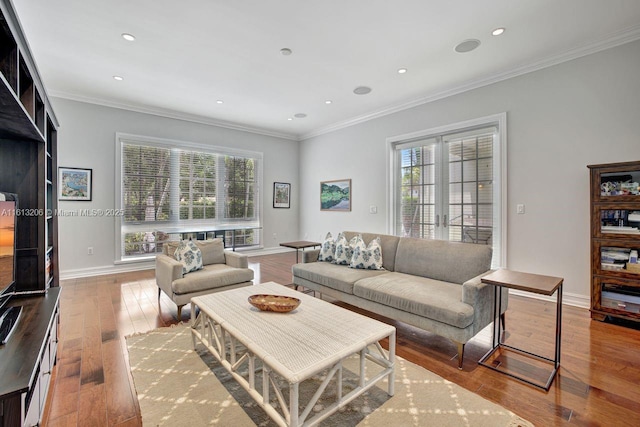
(433, 299)
(367, 257)
(212, 251)
(339, 277)
(189, 256)
(388, 244)
(344, 249)
(328, 249)
(211, 276)
(436, 259)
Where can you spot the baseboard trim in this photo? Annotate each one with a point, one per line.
(107, 269)
(148, 265)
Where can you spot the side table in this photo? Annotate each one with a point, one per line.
(300, 245)
(535, 283)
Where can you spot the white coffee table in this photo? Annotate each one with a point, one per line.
(315, 337)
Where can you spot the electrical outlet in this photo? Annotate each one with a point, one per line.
(90, 250)
(373, 209)
(520, 208)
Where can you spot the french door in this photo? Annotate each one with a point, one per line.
(448, 187)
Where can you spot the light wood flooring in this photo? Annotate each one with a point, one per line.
(598, 382)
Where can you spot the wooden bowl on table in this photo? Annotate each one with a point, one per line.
(275, 303)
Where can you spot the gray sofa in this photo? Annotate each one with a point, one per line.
(431, 284)
(222, 270)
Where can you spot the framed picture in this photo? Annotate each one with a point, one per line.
(335, 195)
(74, 184)
(281, 195)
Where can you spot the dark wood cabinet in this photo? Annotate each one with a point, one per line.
(615, 241)
(28, 152)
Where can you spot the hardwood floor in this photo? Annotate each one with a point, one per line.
(597, 385)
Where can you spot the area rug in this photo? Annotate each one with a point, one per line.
(177, 385)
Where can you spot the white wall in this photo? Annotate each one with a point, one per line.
(86, 139)
(559, 120)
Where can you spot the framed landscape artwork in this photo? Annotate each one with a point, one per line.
(281, 195)
(335, 195)
(74, 184)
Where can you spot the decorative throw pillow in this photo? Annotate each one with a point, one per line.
(189, 255)
(344, 249)
(367, 256)
(328, 249)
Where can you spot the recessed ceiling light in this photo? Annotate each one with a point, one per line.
(497, 31)
(128, 37)
(290, 118)
(118, 78)
(285, 51)
(300, 115)
(219, 101)
(328, 101)
(402, 70)
(362, 90)
(467, 46)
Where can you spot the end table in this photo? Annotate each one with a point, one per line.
(535, 283)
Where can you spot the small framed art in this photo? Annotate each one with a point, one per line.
(281, 195)
(335, 195)
(74, 184)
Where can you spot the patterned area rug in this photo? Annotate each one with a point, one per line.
(177, 385)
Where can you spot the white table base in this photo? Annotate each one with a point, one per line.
(234, 356)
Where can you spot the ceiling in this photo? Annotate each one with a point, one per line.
(189, 54)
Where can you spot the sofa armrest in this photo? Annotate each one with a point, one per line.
(234, 259)
(167, 270)
(310, 256)
(480, 295)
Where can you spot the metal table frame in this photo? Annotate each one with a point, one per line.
(497, 336)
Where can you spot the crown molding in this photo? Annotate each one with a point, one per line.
(613, 40)
(172, 114)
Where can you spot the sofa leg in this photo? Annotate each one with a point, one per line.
(159, 293)
(460, 354)
(180, 312)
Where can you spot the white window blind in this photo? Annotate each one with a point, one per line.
(169, 183)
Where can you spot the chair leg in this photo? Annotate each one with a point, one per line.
(159, 293)
(503, 322)
(460, 353)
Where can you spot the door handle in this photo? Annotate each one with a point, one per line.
(437, 220)
(444, 222)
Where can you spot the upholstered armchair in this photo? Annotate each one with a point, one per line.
(221, 270)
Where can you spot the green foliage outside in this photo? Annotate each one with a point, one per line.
(331, 195)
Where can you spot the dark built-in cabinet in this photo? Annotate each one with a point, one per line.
(615, 241)
(28, 149)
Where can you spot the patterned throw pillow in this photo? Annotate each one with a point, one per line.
(344, 249)
(328, 249)
(189, 255)
(367, 257)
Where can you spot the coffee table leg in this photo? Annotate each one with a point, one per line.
(392, 360)
(294, 394)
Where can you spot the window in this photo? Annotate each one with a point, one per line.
(447, 184)
(169, 183)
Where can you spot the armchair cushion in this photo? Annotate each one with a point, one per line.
(212, 251)
(211, 277)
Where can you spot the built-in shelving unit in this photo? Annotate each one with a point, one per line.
(28, 153)
(615, 241)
